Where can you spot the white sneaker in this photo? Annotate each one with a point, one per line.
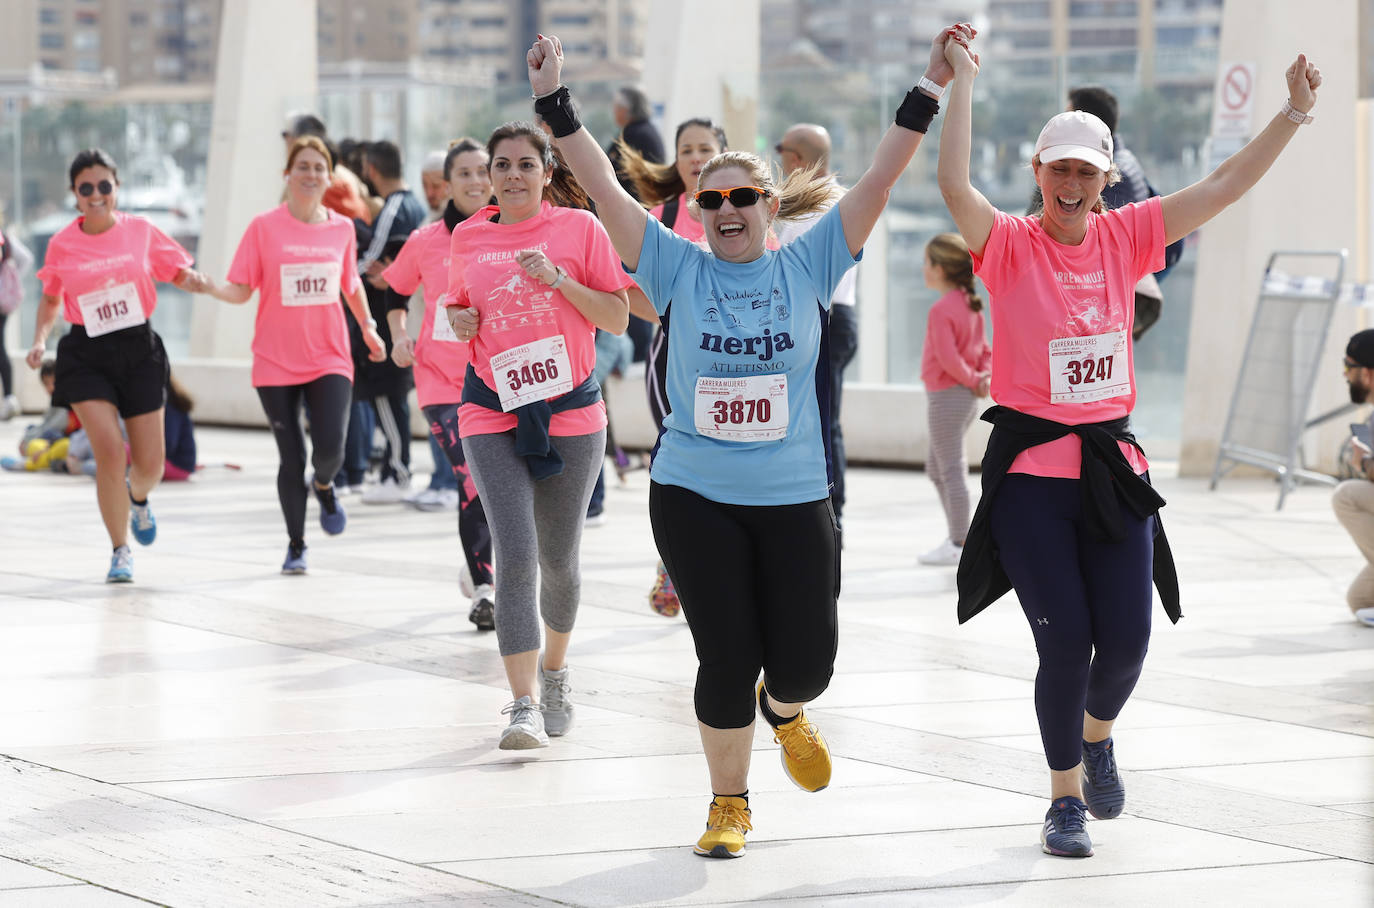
(946, 553)
(9, 407)
(416, 494)
(388, 491)
(437, 500)
(465, 580)
(1365, 616)
(526, 728)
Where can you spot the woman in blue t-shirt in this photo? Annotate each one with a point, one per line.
(739, 494)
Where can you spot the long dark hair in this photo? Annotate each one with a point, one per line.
(657, 183)
(563, 191)
(949, 253)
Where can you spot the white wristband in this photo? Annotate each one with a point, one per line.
(558, 280)
(1294, 114)
(930, 88)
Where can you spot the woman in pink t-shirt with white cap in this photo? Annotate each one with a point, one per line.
(1068, 517)
(300, 257)
(99, 271)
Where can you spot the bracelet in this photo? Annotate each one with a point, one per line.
(1292, 113)
(557, 110)
(558, 280)
(935, 90)
(371, 323)
(916, 111)
(547, 93)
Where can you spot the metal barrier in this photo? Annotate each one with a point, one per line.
(1268, 414)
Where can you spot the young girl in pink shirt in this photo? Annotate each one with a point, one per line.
(100, 272)
(955, 368)
(301, 257)
(530, 281)
(1068, 517)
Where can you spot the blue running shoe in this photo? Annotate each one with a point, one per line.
(1102, 787)
(121, 566)
(333, 518)
(295, 560)
(141, 521)
(1065, 833)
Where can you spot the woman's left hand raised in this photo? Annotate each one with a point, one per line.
(545, 63)
(1303, 79)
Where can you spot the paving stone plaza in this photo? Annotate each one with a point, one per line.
(218, 734)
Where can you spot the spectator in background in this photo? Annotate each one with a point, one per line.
(1353, 500)
(631, 111)
(346, 193)
(385, 384)
(803, 147)
(436, 188)
(15, 262)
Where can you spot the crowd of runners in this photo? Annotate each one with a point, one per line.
(541, 246)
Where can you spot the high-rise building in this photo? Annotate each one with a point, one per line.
(858, 32)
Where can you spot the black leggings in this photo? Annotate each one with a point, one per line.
(473, 531)
(6, 371)
(1088, 603)
(328, 397)
(758, 585)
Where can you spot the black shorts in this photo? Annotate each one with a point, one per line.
(128, 368)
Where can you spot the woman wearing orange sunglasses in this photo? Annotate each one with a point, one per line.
(739, 493)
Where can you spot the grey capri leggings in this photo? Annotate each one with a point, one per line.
(536, 531)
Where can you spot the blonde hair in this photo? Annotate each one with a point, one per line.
(805, 191)
(1113, 177)
(949, 253)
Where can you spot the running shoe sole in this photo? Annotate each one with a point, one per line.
(519, 739)
(720, 851)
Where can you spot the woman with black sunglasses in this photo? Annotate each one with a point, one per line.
(739, 492)
(99, 271)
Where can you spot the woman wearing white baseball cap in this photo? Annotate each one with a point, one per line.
(1068, 517)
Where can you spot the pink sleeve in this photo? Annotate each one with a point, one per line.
(350, 283)
(403, 274)
(48, 274)
(998, 258)
(246, 268)
(456, 293)
(1147, 223)
(944, 345)
(600, 263)
(166, 257)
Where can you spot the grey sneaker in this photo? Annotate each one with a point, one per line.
(526, 728)
(553, 694)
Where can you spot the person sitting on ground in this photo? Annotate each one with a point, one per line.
(179, 432)
(1353, 500)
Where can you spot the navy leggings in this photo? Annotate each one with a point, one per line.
(327, 399)
(758, 587)
(1088, 603)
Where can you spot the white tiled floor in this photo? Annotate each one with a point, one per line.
(217, 734)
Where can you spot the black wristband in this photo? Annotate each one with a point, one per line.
(917, 110)
(559, 111)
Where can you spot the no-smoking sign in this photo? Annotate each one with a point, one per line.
(1234, 103)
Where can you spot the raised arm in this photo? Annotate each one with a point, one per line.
(862, 205)
(1195, 205)
(973, 213)
(620, 214)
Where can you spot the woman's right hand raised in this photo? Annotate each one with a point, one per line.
(957, 53)
(545, 63)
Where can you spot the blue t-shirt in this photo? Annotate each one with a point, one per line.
(757, 319)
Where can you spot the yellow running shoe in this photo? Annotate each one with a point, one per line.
(805, 755)
(726, 823)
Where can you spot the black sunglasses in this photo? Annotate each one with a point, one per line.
(104, 187)
(739, 196)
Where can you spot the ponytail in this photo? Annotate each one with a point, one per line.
(949, 253)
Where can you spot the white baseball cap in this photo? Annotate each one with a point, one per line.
(1077, 135)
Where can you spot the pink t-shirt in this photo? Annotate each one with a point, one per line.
(515, 309)
(1062, 317)
(956, 350)
(299, 270)
(441, 359)
(684, 225)
(132, 252)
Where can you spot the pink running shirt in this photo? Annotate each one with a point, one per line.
(516, 309)
(299, 270)
(684, 225)
(133, 251)
(441, 359)
(1062, 318)
(956, 351)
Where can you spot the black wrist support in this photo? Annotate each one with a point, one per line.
(917, 110)
(559, 111)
